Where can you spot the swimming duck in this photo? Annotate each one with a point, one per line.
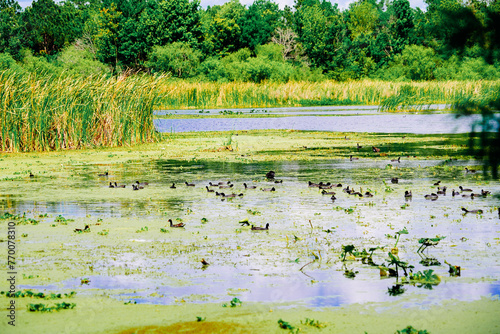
(189, 184)
(226, 186)
(31, 175)
(398, 160)
(437, 183)
(463, 190)
(270, 175)
(472, 211)
(333, 198)
(432, 197)
(485, 193)
(368, 194)
(231, 195)
(338, 185)
(347, 190)
(441, 191)
(351, 158)
(137, 187)
(268, 189)
(176, 225)
(454, 193)
(472, 171)
(278, 181)
(408, 194)
(257, 228)
(358, 146)
(209, 190)
(312, 185)
(205, 263)
(324, 192)
(141, 183)
(249, 187)
(119, 185)
(105, 174)
(394, 180)
(111, 185)
(329, 186)
(375, 149)
(86, 229)
(471, 195)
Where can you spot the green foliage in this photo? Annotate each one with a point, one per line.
(79, 61)
(233, 303)
(57, 307)
(411, 330)
(178, 58)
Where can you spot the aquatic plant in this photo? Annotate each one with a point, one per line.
(411, 330)
(233, 303)
(200, 319)
(313, 323)
(398, 233)
(286, 325)
(42, 308)
(425, 278)
(397, 263)
(347, 249)
(454, 270)
(396, 290)
(427, 242)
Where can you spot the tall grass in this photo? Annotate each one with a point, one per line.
(182, 94)
(40, 113)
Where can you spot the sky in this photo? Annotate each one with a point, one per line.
(282, 3)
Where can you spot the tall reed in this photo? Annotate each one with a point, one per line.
(182, 94)
(40, 113)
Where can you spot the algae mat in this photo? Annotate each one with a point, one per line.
(133, 273)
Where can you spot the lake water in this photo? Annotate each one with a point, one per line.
(336, 119)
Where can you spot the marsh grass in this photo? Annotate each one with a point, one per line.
(51, 113)
(183, 94)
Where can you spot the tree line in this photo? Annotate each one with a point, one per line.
(313, 40)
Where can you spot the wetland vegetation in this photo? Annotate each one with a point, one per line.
(321, 260)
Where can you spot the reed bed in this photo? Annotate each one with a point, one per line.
(182, 94)
(41, 114)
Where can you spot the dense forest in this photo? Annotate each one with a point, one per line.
(314, 40)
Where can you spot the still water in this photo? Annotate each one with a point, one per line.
(338, 119)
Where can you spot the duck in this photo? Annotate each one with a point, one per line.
(268, 189)
(31, 175)
(329, 186)
(464, 190)
(368, 194)
(441, 191)
(137, 187)
(375, 149)
(119, 186)
(86, 229)
(338, 185)
(141, 183)
(408, 194)
(471, 195)
(437, 183)
(312, 185)
(358, 146)
(394, 180)
(472, 171)
(209, 190)
(454, 193)
(111, 185)
(205, 263)
(270, 175)
(278, 181)
(485, 193)
(249, 187)
(189, 184)
(231, 195)
(257, 228)
(351, 158)
(101, 175)
(333, 198)
(398, 160)
(176, 225)
(472, 211)
(432, 197)
(324, 192)
(226, 186)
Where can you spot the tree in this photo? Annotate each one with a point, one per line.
(106, 39)
(401, 25)
(258, 23)
(10, 39)
(178, 58)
